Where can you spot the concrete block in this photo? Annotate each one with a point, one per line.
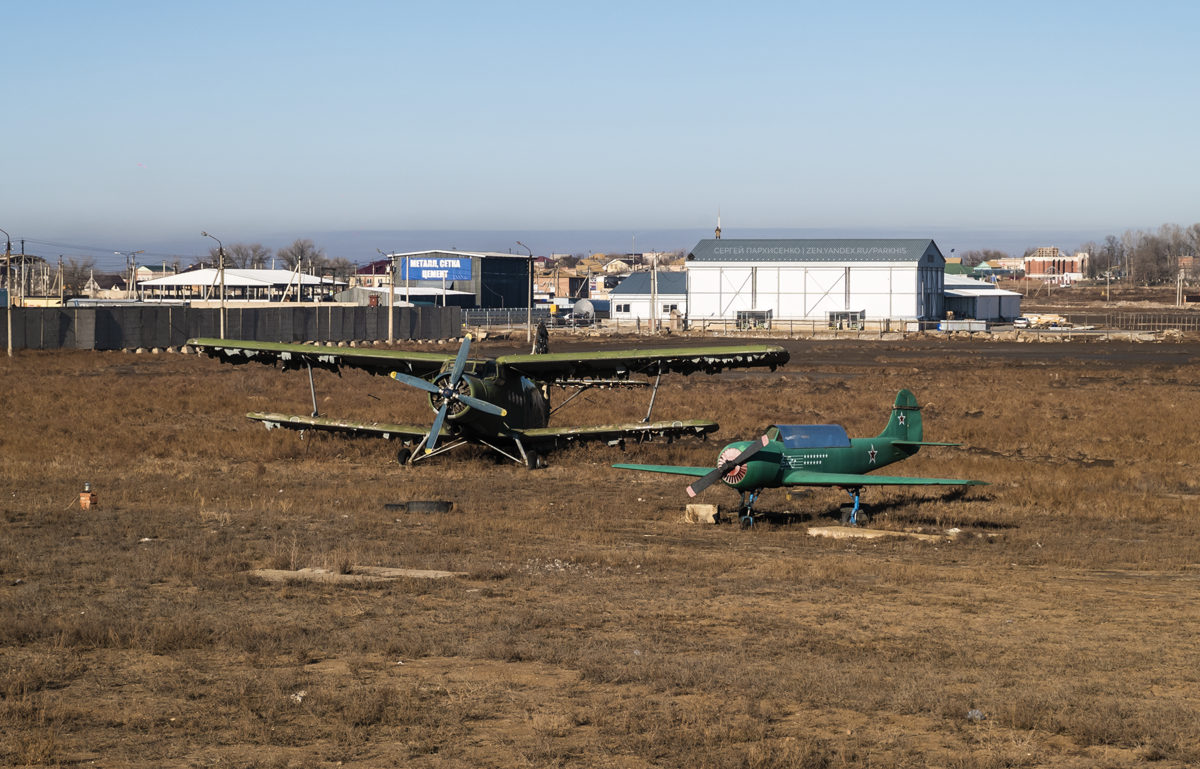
(701, 514)
(854, 532)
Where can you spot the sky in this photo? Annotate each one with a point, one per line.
(576, 127)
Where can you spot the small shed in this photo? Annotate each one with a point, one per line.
(979, 300)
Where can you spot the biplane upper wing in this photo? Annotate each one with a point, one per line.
(299, 356)
(325, 424)
(851, 480)
(620, 364)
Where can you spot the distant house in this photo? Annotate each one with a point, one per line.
(106, 285)
(1051, 265)
(631, 300)
(617, 266)
(151, 271)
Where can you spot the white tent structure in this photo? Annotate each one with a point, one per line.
(240, 285)
(970, 298)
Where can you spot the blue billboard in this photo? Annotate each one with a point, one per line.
(433, 268)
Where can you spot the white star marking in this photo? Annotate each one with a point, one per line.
(902, 418)
(872, 452)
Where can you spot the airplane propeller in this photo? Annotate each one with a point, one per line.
(724, 467)
(449, 392)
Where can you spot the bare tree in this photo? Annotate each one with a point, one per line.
(303, 252)
(249, 256)
(978, 256)
(76, 273)
(340, 267)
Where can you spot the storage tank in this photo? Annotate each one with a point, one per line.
(592, 309)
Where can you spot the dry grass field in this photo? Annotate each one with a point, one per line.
(594, 627)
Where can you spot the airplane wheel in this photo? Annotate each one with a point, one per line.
(403, 455)
(863, 518)
(533, 460)
(747, 521)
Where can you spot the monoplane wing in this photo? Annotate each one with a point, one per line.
(635, 431)
(851, 480)
(620, 364)
(325, 424)
(696, 472)
(299, 356)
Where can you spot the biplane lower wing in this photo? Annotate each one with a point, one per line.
(638, 431)
(542, 435)
(325, 424)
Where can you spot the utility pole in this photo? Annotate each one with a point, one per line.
(654, 293)
(391, 280)
(8, 285)
(131, 265)
(529, 310)
(221, 253)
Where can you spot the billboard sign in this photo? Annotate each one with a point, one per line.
(433, 268)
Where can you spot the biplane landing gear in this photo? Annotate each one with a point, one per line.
(533, 460)
(746, 508)
(850, 514)
(403, 455)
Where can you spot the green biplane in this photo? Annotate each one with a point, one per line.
(501, 403)
(815, 455)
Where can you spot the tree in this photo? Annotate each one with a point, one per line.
(978, 256)
(252, 256)
(76, 273)
(303, 252)
(340, 267)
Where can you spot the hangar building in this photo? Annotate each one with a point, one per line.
(824, 280)
(495, 279)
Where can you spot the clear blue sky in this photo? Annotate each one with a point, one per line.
(128, 123)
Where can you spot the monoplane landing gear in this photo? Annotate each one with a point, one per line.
(746, 508)
(850, 514)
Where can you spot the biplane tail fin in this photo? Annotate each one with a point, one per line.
(904, 424)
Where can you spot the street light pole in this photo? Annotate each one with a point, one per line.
(529, 310)
(8, 285)
(221, 252)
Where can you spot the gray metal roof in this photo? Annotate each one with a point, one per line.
(639, 284)
(825, 250)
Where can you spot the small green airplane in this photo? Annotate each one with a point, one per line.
(815, 455)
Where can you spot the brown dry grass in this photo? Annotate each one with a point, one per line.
(595, 628)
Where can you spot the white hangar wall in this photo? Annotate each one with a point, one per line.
(811, 292)
(808, 279)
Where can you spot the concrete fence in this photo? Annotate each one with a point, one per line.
(112, 328)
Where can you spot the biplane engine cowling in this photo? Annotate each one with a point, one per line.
(755, 473)
(467, 385)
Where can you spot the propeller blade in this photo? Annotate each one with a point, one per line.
(475, 403)
(437, 428)
(724, 467)
(460, 362)
(416, 382)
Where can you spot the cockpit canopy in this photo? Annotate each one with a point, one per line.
(810, 436)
